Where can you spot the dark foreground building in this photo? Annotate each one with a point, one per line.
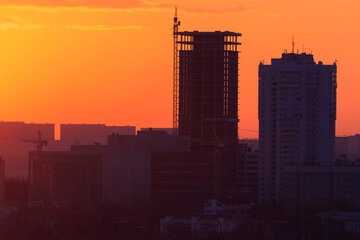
(247, 173)
(65, 179)
(208, 87)
(183, 181)
(2, 179)
(321, 188)
(122, 168)
(126, 163)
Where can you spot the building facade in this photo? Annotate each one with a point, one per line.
(65, 179)
(247, 172)
(297, 113)
(126, 163)
(227, 206)
(320, 187)
(153, 141)
(185, 180)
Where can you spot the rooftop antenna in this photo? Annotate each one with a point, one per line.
(175, 18)
(293, 44)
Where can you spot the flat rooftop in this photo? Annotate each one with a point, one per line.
(193, 33)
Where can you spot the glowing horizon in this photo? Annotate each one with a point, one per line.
(109, 61)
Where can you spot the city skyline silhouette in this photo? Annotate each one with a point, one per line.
(203, 120)
(92, 62)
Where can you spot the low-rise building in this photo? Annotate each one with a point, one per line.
(150, 140)
(349, 146)
(65, 179)
(336, 221)
(247, 172)
(195, 224)
(127, 163)
(220, 216)
(227, 206)
(320, 187)
(183, 181)
(126, 174)
(21, 131)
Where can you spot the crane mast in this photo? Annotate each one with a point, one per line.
(175, 74)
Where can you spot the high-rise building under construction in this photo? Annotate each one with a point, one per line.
(206, 87)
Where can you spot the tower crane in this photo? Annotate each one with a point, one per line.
(40, 143)
(176, 26)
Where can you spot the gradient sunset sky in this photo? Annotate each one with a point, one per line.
(110, 61)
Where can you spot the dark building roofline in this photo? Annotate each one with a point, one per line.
(225, 33)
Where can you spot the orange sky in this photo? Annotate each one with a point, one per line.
(110, 61)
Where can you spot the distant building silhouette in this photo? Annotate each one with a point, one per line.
(20, 131)
(152, 141)
(18, 138)
(348, 146)
(169, 131)
(208, 87)
(253, 143)
(297, 113)
(90, 133)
